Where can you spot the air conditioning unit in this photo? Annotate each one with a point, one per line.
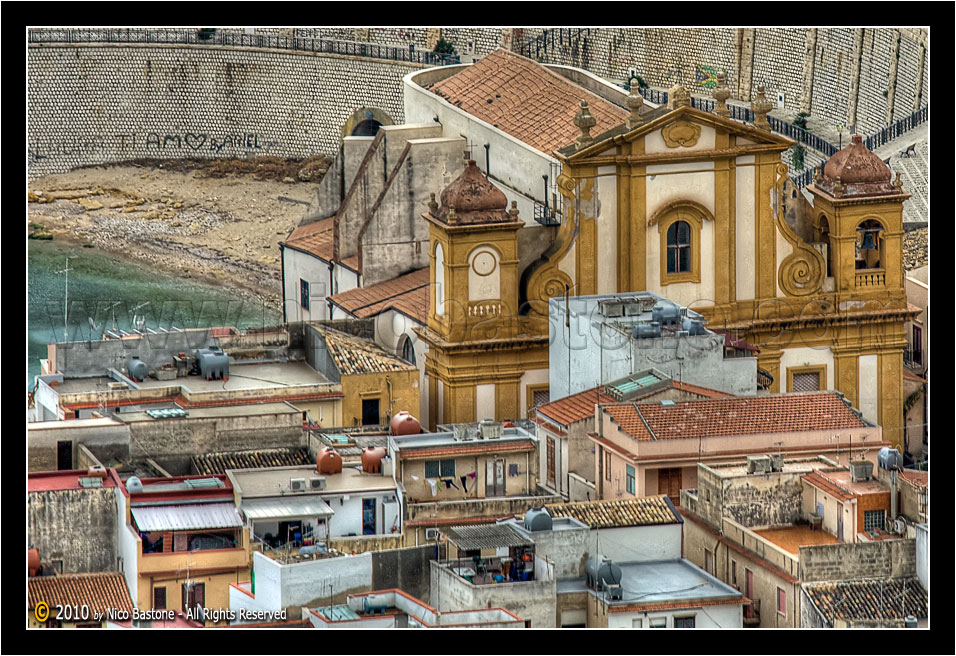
(431, 533)
(490, 429)
(758, 464)
(317, 483)
(297, 484)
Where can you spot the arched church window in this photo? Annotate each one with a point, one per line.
(678, 248)
(408, 350)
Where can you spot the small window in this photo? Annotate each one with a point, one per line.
(630, 480)
(607, 465)
(806, 382)
(733, 572)
(370, 412)
(917, 345)
(657, 623)
(685, 622)
(439, 468)
(873, 519)
(159, 598)
(408, 351)
(304, 294)
(781, 601)
(637, 623)
(678, 247)
(57, 565)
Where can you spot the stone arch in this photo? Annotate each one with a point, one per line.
(365, 121)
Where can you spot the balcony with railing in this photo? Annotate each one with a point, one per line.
(912, 358)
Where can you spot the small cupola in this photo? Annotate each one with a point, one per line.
(471, 199)
(857, 171)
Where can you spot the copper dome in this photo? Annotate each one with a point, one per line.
(860, 171)
(472, 199)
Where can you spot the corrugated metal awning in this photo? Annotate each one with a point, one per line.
(286, 507)
(186, 517)
(486, 537)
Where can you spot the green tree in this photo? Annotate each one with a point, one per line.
(444, 48)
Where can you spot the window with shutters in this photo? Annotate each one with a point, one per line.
(678, 247)
(657, 623)
(630, 480)
(439, 468)
(607, 465)
(551, 461)
(304, 294)
(781, 601)
(687, 622)
(159, 598)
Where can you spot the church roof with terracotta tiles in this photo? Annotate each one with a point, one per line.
(407, 294)
(353, 355)
(101, 591)
(526, 100)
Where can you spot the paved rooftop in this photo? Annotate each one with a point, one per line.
(791, 538)
(266, 482)
(670, 581)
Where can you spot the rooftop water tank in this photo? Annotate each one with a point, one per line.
(137, 369)
(646, 330)
(372, 459)
(889, 458)
(694, 327)
(33, 561)
(328, 461)
(600, 572)
(133, 484)
(666, 313)
(405, 424)
(538, 519)
(213, 363)
(375, 603)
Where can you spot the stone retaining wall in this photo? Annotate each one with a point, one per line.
(90, 104)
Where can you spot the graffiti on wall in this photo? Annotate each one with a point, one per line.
(151, 143)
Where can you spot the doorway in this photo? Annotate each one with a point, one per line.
(495, 478)
(669, 482)
(370, 415)
(64, 455)
(368, 517)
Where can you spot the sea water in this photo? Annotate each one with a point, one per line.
(109, 291)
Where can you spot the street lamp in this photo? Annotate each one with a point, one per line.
(840, 131)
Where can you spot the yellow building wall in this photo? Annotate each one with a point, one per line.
(395, 391)
(418, 490)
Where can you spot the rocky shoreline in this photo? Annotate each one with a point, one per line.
(218, 230)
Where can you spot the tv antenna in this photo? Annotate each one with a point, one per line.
(66, 294)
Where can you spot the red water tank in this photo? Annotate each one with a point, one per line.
(328, 461)
(372, 459)
(405, 424)
(33, 561)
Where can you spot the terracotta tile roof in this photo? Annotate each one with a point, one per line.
(643, 511)
(101, 591)
(527, 101)
(573, 408)
(353, 355)
(580, 406)
(314, 238)
(218, 463)
(779, 413)
(919, 479)
(870, 600)
(407, 294)
(826, 485)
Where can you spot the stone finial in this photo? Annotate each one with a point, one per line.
(634, 102)
(452, 217)
(818, 175)
(584, 121)
(838, 188)
(433, 206)
(678, 96)
(513, 212)
(721, 94)
(898, 183)
(761, 107)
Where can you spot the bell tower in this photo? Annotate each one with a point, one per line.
(474, 256)
(858, 212)
(478, 354)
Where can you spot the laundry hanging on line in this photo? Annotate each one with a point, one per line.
(464, 483)
(449, 482)
(434, 486)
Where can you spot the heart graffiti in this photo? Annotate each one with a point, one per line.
(195, 141)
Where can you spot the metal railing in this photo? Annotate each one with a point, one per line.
(900, 127)
(546, 216)
(219, 38)
(564, 36)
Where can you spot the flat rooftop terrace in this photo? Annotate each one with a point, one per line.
(271, 375)
(660, 581)
(245, 410)
(791, 538)
(265, 481)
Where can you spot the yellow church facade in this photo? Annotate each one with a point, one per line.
(695, 207)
